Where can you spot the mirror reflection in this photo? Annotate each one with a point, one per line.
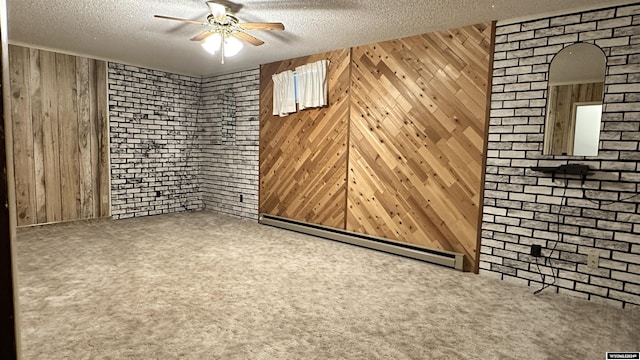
(574, 101)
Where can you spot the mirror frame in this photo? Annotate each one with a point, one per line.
(547, 141)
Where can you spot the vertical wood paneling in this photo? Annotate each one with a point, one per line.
(69, 140)
(60, 129)
(37, 120)
(303, 157)
(418, 123)
(94, 128)
(22, 135)
(101, 139)
(84, 137)
(51, 142)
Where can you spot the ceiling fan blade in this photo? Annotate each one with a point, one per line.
(262, 26)
(203, 35)
(248, 38)
(218, 11)
(179, 19)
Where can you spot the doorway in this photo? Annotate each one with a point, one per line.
(8, 348)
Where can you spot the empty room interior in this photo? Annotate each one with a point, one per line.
(320, 180)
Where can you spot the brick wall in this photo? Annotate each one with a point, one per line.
(523, 207)
(228, 140)
(153, 123)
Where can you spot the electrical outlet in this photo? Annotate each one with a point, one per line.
(105, 199)
(536, 250)
(593, 260)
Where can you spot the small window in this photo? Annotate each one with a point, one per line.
(295, 87)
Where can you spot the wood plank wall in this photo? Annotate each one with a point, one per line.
(417, 139)
(303, 157)
(560, 123)
(417, 114)
(61, 154)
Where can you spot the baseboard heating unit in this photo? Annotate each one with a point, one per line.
(440, 257)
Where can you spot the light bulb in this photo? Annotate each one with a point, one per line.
(232, 46)
(212, 43)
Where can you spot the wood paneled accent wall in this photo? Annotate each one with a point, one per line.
(303, 156)
(60, 132)
(561, 121)
(417, 125)
(417, 139)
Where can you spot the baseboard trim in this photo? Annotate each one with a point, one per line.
(441, 257)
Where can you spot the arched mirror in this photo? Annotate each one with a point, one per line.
(574, 101)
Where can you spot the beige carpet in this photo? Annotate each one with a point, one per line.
(203, 286)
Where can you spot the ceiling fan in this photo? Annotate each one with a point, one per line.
(224, 30)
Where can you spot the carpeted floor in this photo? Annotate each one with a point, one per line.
(203, 286)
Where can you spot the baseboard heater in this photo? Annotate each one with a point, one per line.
(440, 257)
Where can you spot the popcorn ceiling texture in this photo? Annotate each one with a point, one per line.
(126, 31)
(523, 207)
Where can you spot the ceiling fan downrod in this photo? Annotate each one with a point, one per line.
(224, 38)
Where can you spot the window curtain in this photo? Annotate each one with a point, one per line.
(312, 84)
(284, 96)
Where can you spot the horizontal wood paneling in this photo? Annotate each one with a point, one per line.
(303, 157)
(418, 120)
(58, 108)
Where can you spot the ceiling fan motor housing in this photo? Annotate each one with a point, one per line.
(229, 21)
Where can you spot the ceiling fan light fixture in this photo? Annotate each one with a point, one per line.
(232, 46)
(212, 43)
(224, 32)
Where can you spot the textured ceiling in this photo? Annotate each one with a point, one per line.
(126, 31)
